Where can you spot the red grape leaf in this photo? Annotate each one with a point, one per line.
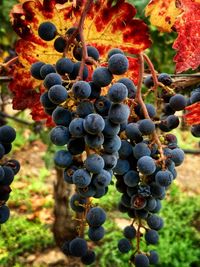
(105, 25)
(188, 42)
(163, 13)
(193, 116)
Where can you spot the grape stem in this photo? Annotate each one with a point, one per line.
(143, 106)
(80, 29)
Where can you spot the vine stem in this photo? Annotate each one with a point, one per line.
(80, 29)
(143, 106)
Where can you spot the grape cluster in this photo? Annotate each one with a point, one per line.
(194, 98)
(8, 169)
(92, 111)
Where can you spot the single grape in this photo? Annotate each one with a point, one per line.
(57, 94)
(68, 173)
(59, 44)
(96, 233)
(94, 141)
(95, 90)
(71, 30)
(93, 52)
(114, 51)
(131, 178)
(81, 178)
(35, 70)
(124, 245)
(118, 64)
(177, 102)
(93, 124)
(140, 150)
(118, 113)
(63, 158)
(78, 247)
(77, 203)
(154, 221)
(64, 66)
(151, 237)
(117, 92)
(125, 150)
(195, 130)
(150, 109)
(195, 97)
(73, 75)
(102, 179)
(84, 108)
(7, 134)
(177, 156)
(165, 79)
(88, 258)
(62, 116)
(122, 167)
(146, 165)
(153, 257)
(110, 128)
(76, 146)
(4, 214)
(76, 127)
(146, 126)
(102, 76)
(81, 89)
(133, 132)
(94, 163)
(59, 135)
(112, 145)
(47, 31)
(52, 79)
(148, 81)
(102, 105)
(129, 85)
(96, 217)
(172, 122)
(164, 178)
(156, 190)
(129, 232)
(141, 260)
(110, 160)
(46, 69)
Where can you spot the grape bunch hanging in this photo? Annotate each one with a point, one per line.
(109, 131)
(8, 169)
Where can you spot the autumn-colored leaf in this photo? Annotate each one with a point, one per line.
(105, 26)
(193, 115)
(188, 42)
(163, 13)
